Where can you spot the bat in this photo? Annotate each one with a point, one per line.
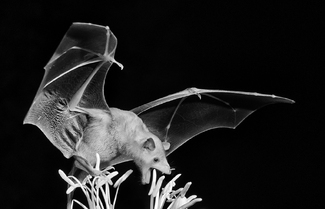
(71, 110)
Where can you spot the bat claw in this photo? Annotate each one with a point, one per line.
(118, 63)
(166, 145)
(83, 164)
(195, 91)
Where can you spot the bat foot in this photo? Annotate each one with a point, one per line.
(83, 164)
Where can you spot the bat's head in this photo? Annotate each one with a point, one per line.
(145, 148)
(152, 157)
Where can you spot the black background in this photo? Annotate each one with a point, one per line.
(272, 160)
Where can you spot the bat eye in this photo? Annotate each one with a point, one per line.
(156, 160)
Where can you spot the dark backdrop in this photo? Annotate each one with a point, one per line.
(273, 160)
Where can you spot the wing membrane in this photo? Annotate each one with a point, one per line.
(179, 117)
(74, 77)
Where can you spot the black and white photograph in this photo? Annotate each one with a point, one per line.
(162, 104)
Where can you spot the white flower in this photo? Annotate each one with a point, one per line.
(176, 197)
(182, 202)
(96, 188)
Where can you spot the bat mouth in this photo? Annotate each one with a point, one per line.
(146, 176)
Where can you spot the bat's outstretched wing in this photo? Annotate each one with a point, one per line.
(74, 79)
(178, 117)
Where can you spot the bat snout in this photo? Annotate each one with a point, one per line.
(163, 167)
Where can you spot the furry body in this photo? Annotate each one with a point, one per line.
(115, 133)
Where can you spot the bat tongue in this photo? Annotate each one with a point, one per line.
(146, 177)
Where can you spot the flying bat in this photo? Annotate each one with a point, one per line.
(70, 109)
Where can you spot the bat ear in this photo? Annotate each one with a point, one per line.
(149, 144)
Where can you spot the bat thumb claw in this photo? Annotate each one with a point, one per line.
(195, 91)
(119, 64)
(166, 145)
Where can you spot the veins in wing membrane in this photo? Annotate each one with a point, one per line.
(66, 127)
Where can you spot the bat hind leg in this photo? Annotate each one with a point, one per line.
(84, 165)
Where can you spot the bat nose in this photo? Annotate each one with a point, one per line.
(168, 172)
(163, 167)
